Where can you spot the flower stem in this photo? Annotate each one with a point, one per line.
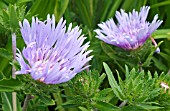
(123, 103)
(14, 98)
(154, 42)
(26, 101)
(140, 67)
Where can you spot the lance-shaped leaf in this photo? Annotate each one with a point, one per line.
(7, 102)
(103, 106)
(6, 99)
(149, 106)
(161, 34)
(6, 54)
(9, 85)
(13, 20)
(47, 100)
(113, 83)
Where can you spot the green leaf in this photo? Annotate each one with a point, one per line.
(8, 85)
(85, 15)
(10, 1)
(43, 7)
(156, 75)
(154, 93)
(83, 108)
(138, 88)
(130, 86)
(120, 80)
(101, 95)
(103, 106)
(60, 8)
(147, 62)
(5, 15)
(105, 91)
(161, 34)
(19, 108)
(132, 72)
(2, 5)
(112, 54)
(6, 101)
(23, 1)
(148, 107)
(109, 51)
(131, 108)
(165, 56)
(67, 104)
(47, 100)
(125, 5)
(113, 83)
(13, 20)
(142, 99)
(149, 75)
(6, 54)
(1, 76)
(101, 78)
(107, 4)
(113, 9)
(127, 71)
(160, 4)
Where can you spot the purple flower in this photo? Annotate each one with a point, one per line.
(52, 54)
(132, 29)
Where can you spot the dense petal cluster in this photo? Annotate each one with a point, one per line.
(53, 54)
(132, 29)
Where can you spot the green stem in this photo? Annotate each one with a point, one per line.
(27, 99)
(123, 103)
(14, 98)
(140, 67)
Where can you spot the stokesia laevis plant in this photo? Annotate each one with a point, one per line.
(131, 31)
(53, 54)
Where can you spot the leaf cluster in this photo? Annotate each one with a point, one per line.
(139, 89)
(86, 92)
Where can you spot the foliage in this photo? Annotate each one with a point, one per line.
(140, 90)
(86, 93)
(137, 85)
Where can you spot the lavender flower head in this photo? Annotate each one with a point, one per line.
(132, 29)
(52, 54)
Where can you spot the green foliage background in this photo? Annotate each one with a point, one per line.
(90, 90)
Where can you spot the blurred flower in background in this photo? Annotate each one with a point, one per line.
(132, 29)
(165, 86)
(52, 55)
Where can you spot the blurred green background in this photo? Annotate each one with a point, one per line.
(87, 14)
